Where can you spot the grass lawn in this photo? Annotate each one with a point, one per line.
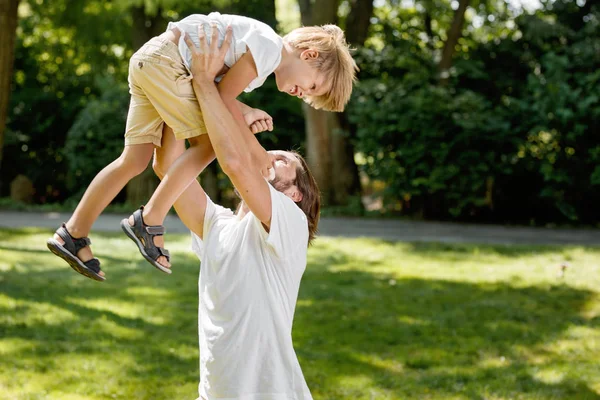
(375, 320)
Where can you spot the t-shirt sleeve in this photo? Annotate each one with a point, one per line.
(289, 227)
(265, 46)
(212, 214)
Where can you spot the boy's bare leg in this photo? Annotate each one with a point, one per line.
(169, 151)
(103, 189)
(164, 157)
(179, 176)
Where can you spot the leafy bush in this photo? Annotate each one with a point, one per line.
(436, 151)
(512, 137)
(96, 137)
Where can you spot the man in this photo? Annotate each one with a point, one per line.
(252, 261)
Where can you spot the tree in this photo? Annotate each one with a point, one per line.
(329, 153)
(347, 182)
(8, 30)
(454, 33)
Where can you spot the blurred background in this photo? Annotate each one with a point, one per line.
(479, 111)
(469, 110)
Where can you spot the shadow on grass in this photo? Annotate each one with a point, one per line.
(459, 250)
(105, 256)
(152, 315)
(416, 337)
(405, 339)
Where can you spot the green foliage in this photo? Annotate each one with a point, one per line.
(55, 67)
(97, 135)
(513, 137)
(58, 61)
(510, 138)
(434, 150)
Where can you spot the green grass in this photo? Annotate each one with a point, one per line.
(8, 204)
(375, 320)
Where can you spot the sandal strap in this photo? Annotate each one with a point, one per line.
(155, 230)
(82, 242)
(138, 221)
(147, 233)
(93, 264)
(73, 245)
(164, 252)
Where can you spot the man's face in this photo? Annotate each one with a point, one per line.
(285, 166)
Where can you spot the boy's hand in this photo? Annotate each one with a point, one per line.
(258, 120)
(208, 61)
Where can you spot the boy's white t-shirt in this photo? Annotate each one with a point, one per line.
(248, 287)
(248, 34)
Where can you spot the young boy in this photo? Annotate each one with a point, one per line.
(313, 63)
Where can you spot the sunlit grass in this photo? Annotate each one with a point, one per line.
(375, 320)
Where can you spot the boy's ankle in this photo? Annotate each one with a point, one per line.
(74, 231)
(149, 217)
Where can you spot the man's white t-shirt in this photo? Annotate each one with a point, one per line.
(248, 287)
(262, 41)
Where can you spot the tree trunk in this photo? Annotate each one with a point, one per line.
(8, 31)
(329, 154)
(140, 189)
(145, 27)
(318, 147)
(305, 11)
(359, 21)
(452, 36)
(347, 181)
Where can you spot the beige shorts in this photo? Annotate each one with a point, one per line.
(161, 93)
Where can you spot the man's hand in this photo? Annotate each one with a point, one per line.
(258, 120)
(208, 61)
(266, 161)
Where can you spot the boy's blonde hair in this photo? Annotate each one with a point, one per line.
(334, 61)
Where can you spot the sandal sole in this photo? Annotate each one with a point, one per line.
(73, 261)
(127, 229)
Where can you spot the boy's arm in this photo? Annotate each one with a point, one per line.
(234, 82)
(243, 107)
(191, 205)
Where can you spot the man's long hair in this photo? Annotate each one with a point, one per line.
(311, 196)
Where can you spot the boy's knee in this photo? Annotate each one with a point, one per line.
(134, 165)
(160, 168)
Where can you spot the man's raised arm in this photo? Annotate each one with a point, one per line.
(240, 155)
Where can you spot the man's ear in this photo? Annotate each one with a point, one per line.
(293, 193)
(309, 54)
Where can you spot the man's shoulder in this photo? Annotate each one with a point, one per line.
(287, 218)
(286, 204)
(216, 213)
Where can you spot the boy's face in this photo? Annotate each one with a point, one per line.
(300, 78)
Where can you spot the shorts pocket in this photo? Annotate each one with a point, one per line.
(184, 86)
